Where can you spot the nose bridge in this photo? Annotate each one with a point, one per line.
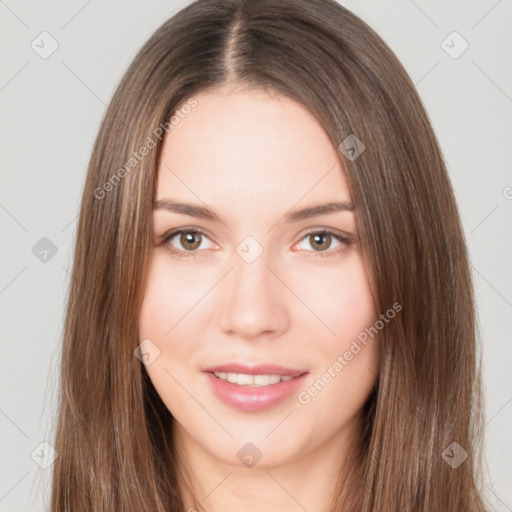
(252, 303)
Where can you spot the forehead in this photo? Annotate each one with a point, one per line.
(252, 147)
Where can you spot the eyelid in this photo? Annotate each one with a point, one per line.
(184, 229)
(331, 231)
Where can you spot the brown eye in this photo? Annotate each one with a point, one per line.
(320, 241)
(191, 240)
(186, 241)
(323, 242)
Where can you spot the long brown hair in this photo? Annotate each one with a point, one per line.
(115, 453)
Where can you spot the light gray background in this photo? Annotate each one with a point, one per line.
(51, 110)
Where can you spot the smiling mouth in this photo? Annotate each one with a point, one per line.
(253, 388)
(242, 379)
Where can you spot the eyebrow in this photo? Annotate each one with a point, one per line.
(205, 213)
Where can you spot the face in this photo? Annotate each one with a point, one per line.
(251, 312)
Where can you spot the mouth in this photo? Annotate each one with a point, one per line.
(253, 388)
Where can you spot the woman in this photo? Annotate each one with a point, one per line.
(271, 305)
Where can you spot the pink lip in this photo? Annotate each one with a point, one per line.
(254, 399)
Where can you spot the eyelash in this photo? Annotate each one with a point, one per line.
(344, 240)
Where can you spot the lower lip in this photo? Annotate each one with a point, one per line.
(252, 398)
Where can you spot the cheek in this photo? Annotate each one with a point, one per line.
(162, 308)
(356, 315)
(342, 300)
(173, 315)
(345, 355)
(355, 306)
(171, 291)
(166, 302)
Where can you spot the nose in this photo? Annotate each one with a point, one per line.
(253, 301)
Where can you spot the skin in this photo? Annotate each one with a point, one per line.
(252, 157)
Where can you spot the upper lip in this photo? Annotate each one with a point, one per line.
(256, 369)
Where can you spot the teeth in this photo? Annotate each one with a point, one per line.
(242, 379)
